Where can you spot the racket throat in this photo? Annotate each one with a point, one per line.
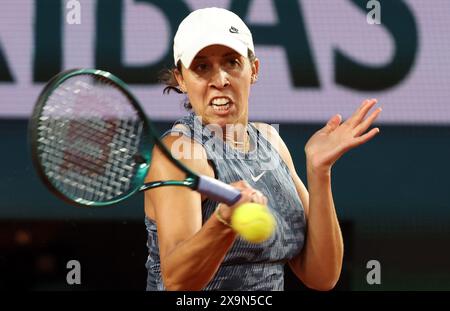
(188, 182)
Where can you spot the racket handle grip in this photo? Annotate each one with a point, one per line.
(218, 191)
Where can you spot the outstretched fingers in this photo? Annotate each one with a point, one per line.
(332, 123)
(363, 126)
(366, 137)
(361, 112)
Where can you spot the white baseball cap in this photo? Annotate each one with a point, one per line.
(209, 26)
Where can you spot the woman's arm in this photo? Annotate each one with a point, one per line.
(190, 253)
(320, 262)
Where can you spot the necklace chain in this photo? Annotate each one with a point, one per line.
(243, 145)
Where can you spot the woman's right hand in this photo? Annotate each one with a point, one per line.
(248, 194)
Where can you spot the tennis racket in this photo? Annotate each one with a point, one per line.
(91, 143)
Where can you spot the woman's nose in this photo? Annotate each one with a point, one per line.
(219, 79)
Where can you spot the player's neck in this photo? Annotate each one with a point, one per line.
(237, 137)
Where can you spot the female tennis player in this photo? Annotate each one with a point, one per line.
(191, 244)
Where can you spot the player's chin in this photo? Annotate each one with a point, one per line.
(223, 119)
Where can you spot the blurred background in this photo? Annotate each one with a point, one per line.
(318, 58)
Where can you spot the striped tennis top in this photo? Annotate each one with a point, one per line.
(246, 266)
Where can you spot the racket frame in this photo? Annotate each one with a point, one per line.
(148, 135)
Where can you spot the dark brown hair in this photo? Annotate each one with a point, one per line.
(167, 77)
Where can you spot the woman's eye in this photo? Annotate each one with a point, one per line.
(201, 67)
(233, 62)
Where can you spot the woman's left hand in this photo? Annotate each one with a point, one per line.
(328, 144)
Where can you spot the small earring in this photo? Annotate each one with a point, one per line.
(254, 78)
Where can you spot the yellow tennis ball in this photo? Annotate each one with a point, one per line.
(253, 222)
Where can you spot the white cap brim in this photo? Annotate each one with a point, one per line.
(228, 41)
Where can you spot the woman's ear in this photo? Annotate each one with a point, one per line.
(180, 80)
(255, 70)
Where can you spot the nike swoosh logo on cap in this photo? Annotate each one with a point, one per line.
(233, 30)
(255, 179)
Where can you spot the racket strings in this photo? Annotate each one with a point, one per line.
(88, 136)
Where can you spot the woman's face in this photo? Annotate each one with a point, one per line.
(218, 85)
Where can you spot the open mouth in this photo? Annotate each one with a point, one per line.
(221, 104)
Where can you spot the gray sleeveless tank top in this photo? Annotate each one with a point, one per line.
(246, 266)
